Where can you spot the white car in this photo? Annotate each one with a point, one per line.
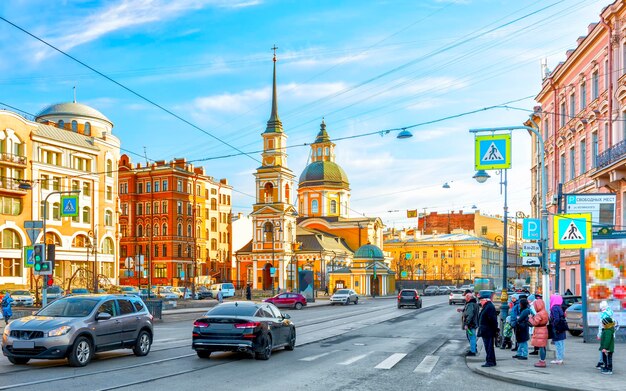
(166, 292)
(184, 293)
(345, 297)
(23, 298)
(228, 290)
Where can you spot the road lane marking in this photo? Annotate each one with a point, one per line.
(427, 364)
(312, 358)
(390, 361)
(354, 359)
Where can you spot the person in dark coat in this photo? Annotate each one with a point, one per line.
(470, 322)
(558, 324)
(248, 292)
(522, 334)
(487, 328)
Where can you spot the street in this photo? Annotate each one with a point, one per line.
(369, 346)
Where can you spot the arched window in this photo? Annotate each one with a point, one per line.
(86, 214)
(287, 194)
(214, 244)
(180, 250)
(314, 206)
(213, 204)
(213, 224)
(109, 168)
(188, 251)
(61, 124)
(108, 218)
(74, 126)
(52, 238)
(11, 239)
(189, 230)
(139, 230)
(268, 232)
(156, 230)
(164, 230)
(333, 206)
(268, 191)
(107, 246)
(179, 230)
(87, 129)
(80, 241)
(198, 232)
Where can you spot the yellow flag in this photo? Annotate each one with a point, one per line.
(411, 213)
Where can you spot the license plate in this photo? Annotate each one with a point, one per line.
(23, 344)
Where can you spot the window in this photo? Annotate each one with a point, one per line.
(213, 204)
(75, 186)
(139, 188)
(572, 163)
(52, 238)
(156, 207)
(436, 254)
(109, 193)
(164, 185)
(148, 208)
(139, 209)
(572, 105)
(563, 114)
(164, 231)
(156, 250)
(164, 205)
(213, 244)
(583, 156)
(546, 130)
(189, 209)
(126, 307)
(179, 207)
(86, 215)
(156, 230)
(124, 230)
(148, 187)
(80, 163)
(10, 206)
(583, 95)
(165, 250)
(74, 126)
(108, 218)
(156, 186)
(179, 251)
(483, 230)
(179, 229)
(333, 206)
(160, 270)
(595, 85)
(594, 149)
(314, 206)
(61, 124)
(189, 230)
(109, 168)
(197, 189)
(87, 129)
(188, 188)
(107, 246)
(139, 230)
(56, 183)
(179, 186)
(319, 151)
(213, 224)
(123, 188)
(11, 239)
(562, 173)
(56, 211)
(86, 189)
(124, 209)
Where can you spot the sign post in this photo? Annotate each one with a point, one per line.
(492, 152)
(572, 231)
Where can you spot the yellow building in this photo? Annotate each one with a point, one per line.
(69, 147)
(368, 274)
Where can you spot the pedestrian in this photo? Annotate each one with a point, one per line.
(607, 344)
(514, 313)
(606, 312)
(220, 296)
(487, 328)
(521, 330)
(326, 290)
(507, 334)
(6, 303)
(248, 292)
(470, 322)
(558, 323)
(531, 302)
(540, 334)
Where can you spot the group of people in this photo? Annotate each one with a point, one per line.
(530, 321)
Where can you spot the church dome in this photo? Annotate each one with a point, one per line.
(324, 173)
(71, 110)
(369, 251)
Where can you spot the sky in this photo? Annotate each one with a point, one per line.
(365, 67)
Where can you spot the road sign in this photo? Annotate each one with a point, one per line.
(403, 273)
(531, 248)
(492, 152)
(69, 206)
(572, 231)
(601, 207)
(272, 271)
(29, 260)
(33, 224)
(33, 233)
(531, 261)
(531, 229)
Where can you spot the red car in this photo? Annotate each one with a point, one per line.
(288, 299)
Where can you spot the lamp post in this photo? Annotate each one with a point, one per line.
(520, 215)
(443, 256)
(481, 177)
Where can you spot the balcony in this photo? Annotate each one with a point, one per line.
(612, 155)
(16, 160)
(610, 170)
(11, 186)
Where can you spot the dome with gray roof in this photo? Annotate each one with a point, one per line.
(72, 109)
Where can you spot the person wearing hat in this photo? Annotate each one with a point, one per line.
(487, 327)
(470, 322)
(605, 312)
(540, 333)
(607, 344)
(514, 313)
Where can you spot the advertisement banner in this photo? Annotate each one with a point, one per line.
(605, 267)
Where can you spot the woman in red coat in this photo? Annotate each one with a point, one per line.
(540, 335)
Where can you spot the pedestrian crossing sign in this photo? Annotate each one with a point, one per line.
(572, 231)
(493, 152)
(69, 206)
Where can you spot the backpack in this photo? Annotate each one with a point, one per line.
(561, 326)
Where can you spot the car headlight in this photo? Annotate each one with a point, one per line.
(59, 331)
(6, 331)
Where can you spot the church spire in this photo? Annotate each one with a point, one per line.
(273, 124)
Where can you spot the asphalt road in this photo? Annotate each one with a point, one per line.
(369, 346)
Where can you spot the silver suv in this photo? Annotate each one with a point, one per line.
(76, 327)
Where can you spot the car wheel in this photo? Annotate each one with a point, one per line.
(356, 301)
(576, 333)
(449, 303)
(347, 301)
(266, 351)
(203, 353)
(19, 360)
(143, 344)
(81, 352)
(298, 306)
(292, 340)
(399, 306)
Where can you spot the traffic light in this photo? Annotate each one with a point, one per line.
(41, 267)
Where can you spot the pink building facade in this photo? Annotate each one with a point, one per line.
(582, 118)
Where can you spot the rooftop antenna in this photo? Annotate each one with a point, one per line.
(544, 68)
(145, 155)
(74, 94)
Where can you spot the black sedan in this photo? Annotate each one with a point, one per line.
(243, 326)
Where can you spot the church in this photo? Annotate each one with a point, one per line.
(316, 246)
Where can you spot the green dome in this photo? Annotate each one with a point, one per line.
(324, 173)
(72, 109)
(369, 251)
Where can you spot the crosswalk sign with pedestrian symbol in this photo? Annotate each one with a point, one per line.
(493, 152)
(572, 231)
(69, 206)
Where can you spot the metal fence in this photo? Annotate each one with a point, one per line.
(155, 307)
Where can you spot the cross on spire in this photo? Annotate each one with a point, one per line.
(274, 49)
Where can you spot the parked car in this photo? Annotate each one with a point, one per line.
(568, 300)
(165, 292)
(431, 290)
(443, 290)
(228, 289)
(54, 292)
(409, 297)
(288, 299)
(243, 326)
(452, 287)
(184, 293)
(345, 297)
(203, 293)
(466, 287)
(456, 297)
(23, 298)
(74, 327)
(79, 291)
(574, 318)
(124, 289)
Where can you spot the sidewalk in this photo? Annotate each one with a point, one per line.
(578, 371)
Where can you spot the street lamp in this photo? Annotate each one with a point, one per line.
(481, 176)
(520, 215)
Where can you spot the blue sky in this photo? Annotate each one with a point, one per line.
(364, 66)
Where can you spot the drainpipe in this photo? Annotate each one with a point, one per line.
(610, 86)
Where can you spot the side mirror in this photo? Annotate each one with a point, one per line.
(103, 316)
(286, 316)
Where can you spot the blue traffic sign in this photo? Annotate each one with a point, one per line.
(531, 229)
(492, 152)
(69, 206)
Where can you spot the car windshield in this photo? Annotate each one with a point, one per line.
(457, 292)
(232, 310)
(128, 289)
(342, 292)
(69, 308)
(80, 290)
(228, 286)
(21, 293)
